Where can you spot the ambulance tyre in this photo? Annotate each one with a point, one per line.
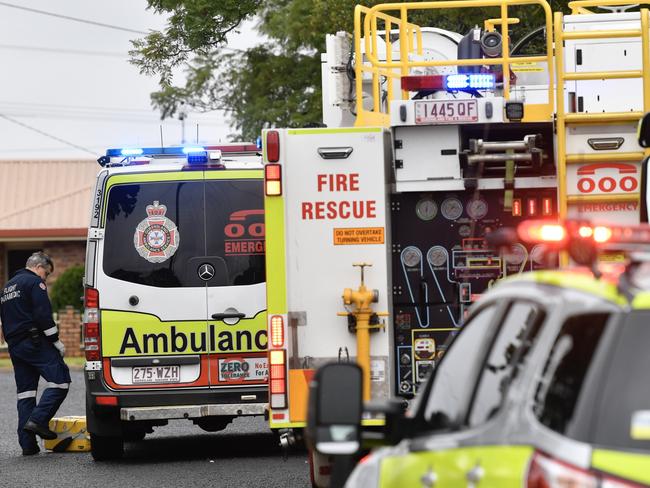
(106, 448)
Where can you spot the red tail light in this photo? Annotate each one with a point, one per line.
(277, 331)
(278, 379)
(516, 207)
(91, 325)
(546, 472)
(273, 180)
(547, 207)
(91, 298)
(273, 146)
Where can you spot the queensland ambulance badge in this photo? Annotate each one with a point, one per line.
(156, 238)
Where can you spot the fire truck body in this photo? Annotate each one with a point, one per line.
(449, 145)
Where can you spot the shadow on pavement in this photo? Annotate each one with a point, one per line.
(203, 447)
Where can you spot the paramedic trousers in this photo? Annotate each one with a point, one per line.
(31, 361)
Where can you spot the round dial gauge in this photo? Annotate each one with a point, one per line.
(464, 231)
(516, 255)
(537, 254)
(451, 208)
(477, 208)
(426, 208)
(437, 256)
(411, 256)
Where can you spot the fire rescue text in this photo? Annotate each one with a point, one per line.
(338, 209)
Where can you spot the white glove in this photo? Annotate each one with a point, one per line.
(61, 347)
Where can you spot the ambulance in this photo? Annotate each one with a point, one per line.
(376, 223)
(175, 292)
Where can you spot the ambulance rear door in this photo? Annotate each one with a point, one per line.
(162, 272)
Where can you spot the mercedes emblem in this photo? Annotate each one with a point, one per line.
(206, 272)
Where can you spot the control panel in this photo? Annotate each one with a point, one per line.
(441, 264)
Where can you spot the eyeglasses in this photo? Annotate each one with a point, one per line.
(48, 270)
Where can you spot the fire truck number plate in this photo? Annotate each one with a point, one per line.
(157, 374)
(446, 111)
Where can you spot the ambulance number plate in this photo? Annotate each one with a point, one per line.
(446, 111)
(156, 374)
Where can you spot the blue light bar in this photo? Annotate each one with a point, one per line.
(480, 81)
(149, 151)
(130, 152)
(193, 149)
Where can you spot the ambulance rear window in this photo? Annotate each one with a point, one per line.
(160, 233)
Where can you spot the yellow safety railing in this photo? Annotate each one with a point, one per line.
(395, 18)
(606, 118)
(582, 6)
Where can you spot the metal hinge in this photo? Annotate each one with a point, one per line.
(95, 233)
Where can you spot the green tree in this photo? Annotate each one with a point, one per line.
(68, 289)
(275, 84)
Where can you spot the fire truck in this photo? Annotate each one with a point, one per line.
(376, 222)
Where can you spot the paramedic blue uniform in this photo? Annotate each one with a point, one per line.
(24, 305)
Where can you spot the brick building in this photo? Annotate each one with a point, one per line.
(45, 205)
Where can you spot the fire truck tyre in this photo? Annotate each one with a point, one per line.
(106, 448)
(134, 435)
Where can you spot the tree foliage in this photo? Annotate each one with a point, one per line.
(276, 83)
(68, 289)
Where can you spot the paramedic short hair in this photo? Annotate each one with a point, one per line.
(39, 258)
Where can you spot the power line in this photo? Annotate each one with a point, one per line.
(75, 19)
(64, 51)
(63, 141)
(92, 22)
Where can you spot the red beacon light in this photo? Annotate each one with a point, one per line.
(542, 231)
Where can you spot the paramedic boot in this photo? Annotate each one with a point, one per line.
(39, 430)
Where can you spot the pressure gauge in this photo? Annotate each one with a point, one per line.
(437, 256)
(411, 256)
(426, 209)
(516, 255)
(477, 208)
(464, 231)
(451, 208)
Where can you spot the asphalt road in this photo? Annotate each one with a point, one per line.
(177, 455)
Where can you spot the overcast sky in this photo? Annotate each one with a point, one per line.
(72, 81)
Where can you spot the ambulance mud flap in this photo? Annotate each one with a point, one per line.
(192, 411)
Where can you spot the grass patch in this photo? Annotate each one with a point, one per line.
(76, 362)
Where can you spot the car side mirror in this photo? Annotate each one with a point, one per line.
(335, 409)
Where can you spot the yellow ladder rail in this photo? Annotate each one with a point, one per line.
(563, 118)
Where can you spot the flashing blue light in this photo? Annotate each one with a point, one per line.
(131, 152)
(197, 157)
(481, 81)
(193, 149)
(258, 142)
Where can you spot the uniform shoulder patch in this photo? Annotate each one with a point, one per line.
(42, 285)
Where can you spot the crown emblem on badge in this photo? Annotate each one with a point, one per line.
(156, 210)
(156, 238)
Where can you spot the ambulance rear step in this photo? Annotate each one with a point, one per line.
(193, 411)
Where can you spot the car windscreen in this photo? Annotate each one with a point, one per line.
(158, 233)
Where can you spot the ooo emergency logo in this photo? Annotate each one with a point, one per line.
(156, 238)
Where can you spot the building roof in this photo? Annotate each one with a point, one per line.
(45, 199)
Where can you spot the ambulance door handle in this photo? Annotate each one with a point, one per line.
(475, 475)
(334, 152)
(228, 315)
